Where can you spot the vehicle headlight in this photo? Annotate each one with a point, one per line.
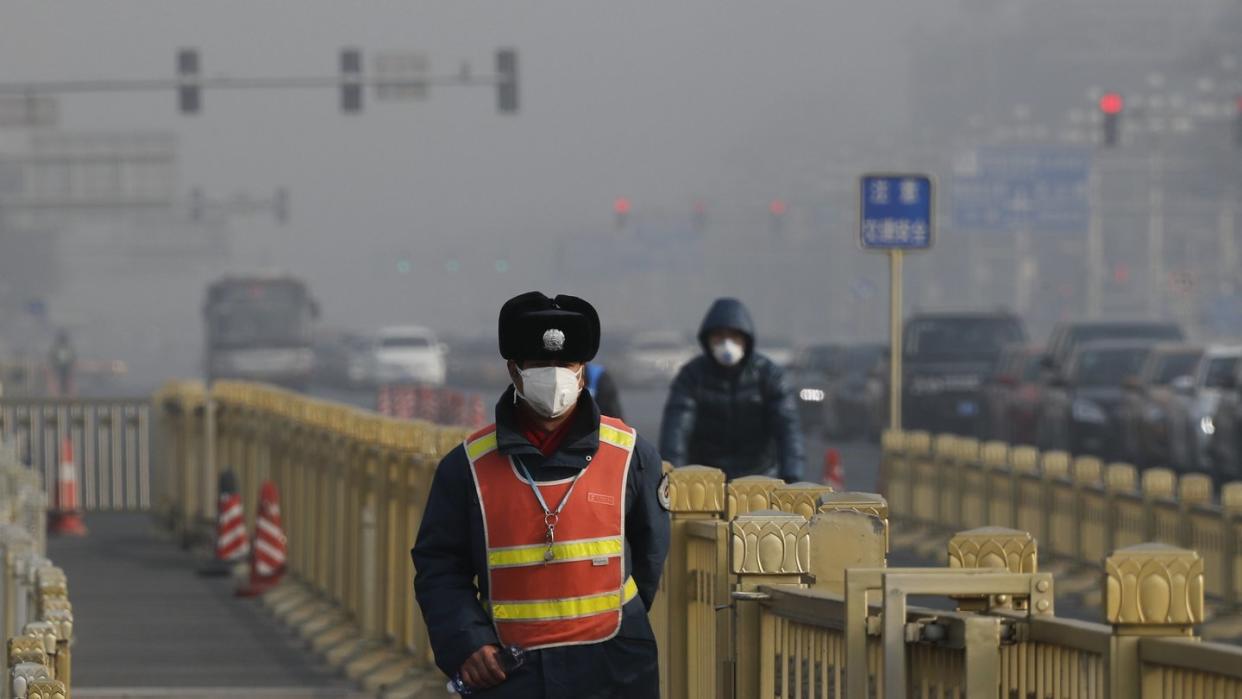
(811, 395)
(1084, 410)
(1206, 425)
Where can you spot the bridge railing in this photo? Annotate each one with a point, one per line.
(36, 618)
(770, 590)
(110, 440)
(1081, 508)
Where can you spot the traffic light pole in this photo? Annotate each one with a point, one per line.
(189, 82)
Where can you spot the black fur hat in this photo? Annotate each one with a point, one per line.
(533, 326)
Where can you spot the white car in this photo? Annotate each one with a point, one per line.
(409, 353)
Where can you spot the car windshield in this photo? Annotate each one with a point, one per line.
(1109, 367)
(1139, 331)
(405, 342)
(1175, 365)
(1219, 371)
(960, 338)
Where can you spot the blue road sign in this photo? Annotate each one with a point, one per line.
(1005, 189)
(896, 212)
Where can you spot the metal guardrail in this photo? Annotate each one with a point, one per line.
(1081, 508)
(36, 617)
(770, 590)
(111, 441)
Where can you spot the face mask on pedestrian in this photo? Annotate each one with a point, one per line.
(550, 390)
(728, 352)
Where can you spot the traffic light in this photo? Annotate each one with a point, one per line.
(189, 93)
(1111, 106)
(621, 208)
(506, 81)
(776, 214)
(351, 81)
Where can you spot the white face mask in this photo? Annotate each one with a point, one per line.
(728, 352)
(550, 390)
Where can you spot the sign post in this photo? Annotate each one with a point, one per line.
(895, 216)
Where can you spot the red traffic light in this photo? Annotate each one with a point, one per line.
(1112, 103)
(777, 207)
(621, 206)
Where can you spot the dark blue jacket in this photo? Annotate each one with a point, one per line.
(451, 568)
(742, 419)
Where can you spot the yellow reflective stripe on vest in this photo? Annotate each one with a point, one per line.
(616, 437)
(481, 446)
(544, 610)
(565, 551)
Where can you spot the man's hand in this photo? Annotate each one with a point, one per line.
(482, 669)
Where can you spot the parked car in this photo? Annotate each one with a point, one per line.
(1146, 432)
(409, 353)
(946, 357)
(653, 358)
(1192, 414)
(835, 388)
(1011, 395)
(1079, 409)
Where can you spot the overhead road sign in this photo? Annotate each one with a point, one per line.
(1011, 188)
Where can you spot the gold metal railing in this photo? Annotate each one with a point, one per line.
(36, 618)
(770, 590)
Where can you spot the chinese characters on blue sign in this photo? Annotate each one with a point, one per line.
(1011, 188)
(896, 212)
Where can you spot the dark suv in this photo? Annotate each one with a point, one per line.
(946, 358)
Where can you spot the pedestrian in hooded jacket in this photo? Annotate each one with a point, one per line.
(544, 531)
(732, 407)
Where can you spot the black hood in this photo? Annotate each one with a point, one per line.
(728, 313)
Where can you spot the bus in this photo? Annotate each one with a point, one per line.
(259, 328)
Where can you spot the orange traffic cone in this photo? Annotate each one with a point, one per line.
(231, 542)
(67, 517)
(834, 475)
(267, 559)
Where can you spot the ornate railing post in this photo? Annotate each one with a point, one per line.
(850, 530)
(1150, 590)
(1010, 550)
(799, 498)
(749, 494)
(1231, 510)
(693, 493)
(766, 548)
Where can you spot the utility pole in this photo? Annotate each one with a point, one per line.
(1095, 244)
(1155, 233)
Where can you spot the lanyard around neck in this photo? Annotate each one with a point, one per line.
(547, 513)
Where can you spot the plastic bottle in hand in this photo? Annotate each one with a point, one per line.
(511, 658)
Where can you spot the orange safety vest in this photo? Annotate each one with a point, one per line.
(571, 593)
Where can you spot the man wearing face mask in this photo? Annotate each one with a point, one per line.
(544, 531)
(732, 407)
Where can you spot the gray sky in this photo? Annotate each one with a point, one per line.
(662, 102)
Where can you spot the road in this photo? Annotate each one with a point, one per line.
(146, 621)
